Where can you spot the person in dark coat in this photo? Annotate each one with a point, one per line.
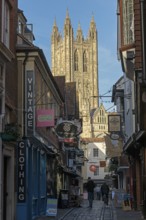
(90, 189)
(105, 191)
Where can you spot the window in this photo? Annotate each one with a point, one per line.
(6, 23)
(95, 152)
(76, 68)
(96, 172)
(128, 22)
(20, 27)
(84, 61)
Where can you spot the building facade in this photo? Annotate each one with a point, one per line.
(39, 101)
(77, 59)
(96, 164)
(131, 49)
(8, 110)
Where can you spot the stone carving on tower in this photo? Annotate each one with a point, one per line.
(77, 59)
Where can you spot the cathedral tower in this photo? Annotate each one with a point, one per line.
(77, 59)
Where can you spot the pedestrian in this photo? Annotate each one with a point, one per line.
(90, 189)
(97, 190)
(105, 191)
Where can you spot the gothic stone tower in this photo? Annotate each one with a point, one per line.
(77, 59)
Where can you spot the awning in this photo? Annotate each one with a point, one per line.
(70, 172)
(42, 145)
(129, 144)
(134, 140)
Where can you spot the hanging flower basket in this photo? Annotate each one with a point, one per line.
(10, 133)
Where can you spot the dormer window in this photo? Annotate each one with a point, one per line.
(20, 27)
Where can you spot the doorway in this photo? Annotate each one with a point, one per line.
(5, 189)
(8, 183)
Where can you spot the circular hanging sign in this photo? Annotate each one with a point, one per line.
(92, 168)
(66, 130)
(114, 136)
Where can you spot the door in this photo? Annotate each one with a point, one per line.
(8, 184)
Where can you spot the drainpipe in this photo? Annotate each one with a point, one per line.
(143, 40)
(144, 81)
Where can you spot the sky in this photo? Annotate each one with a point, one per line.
(42, 15)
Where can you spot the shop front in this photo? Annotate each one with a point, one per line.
(32, 183)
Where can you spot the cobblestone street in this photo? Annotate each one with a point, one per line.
(97, 212)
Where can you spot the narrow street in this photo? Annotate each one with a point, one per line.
(72, 110)
(99, 211)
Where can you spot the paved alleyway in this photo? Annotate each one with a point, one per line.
(95, 213)
(98, 212)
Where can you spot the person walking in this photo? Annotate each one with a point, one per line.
(90, 189)
(98, 192)
(105, 191)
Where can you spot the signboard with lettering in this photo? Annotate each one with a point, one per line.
(102, 163)
(30, 102)
(71, 157)
(51, 207)
(114, 123)
(45, 117)
(67, 129)
(21, 172)
(114, 148)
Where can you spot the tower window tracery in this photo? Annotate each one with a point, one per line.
(85, 61)
(76, 61)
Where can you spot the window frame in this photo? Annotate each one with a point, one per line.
(95, 152)
(96, 172)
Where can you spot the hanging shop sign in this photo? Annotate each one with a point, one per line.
(114, 136)
(114, 148)
(45, 117)
(21, 172)
(10, 132)
(79, 161)
(114, 123)
(71, 157)
(103, 163)
(71, 154)
(30, 102)
(92, 168)
(67, 130)
(80, 153)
